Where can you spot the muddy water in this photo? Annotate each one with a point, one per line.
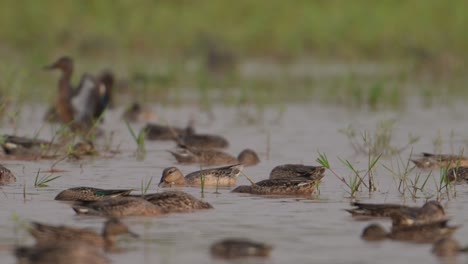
(314, 230)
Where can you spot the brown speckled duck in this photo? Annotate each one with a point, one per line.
(119, 207)
(26, 148)
(232, 248)
(433, 161)
(426, 233)
(176, 201)
(89, 194)
(212, 157)
(447, 247)
(204, 141)
(6, 176)
(44, 233)
(431, 211)
(66, 252)
(222, 176)
(139, 114)
(296, 170)
(282, 186)
(163, 132)
(458, 174)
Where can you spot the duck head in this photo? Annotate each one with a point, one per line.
(171, 176)
(64, 63)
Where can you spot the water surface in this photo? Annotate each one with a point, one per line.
(302, 230)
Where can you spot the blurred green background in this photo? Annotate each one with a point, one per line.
(165, 49)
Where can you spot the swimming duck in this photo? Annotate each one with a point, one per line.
(431, 211)
(27, 148)
(202, 141)
(6, 176)
(176, 201)
(64, 252)
(433, 161)
(119, 207)
(447, 247)
(282, 186)
(222, 176)
(138, 113)
(83, 148)
(89, 194)
(458, 174)
(231, 248)
(296, 170)
(161, 132)
(425, 233)
(212, 157)
(44, 233)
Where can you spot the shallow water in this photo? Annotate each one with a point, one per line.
(301, 230)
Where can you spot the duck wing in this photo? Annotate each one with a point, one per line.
(86, 98)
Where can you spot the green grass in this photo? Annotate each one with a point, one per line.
(145, 185)
(406, 182)
(152, 44)
(44, 180)
(378, 142)
(139, 140)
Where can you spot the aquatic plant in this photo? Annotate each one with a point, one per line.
(357, 178)
(405, 183)
(202, 185)
(139, 140)
(377, 143)
(42, 181)
(444, 186)
(247, 177)
(416, 185)
(145, 186)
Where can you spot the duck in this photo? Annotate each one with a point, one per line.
(70, 252)
(232, 248)
(213, 157)
(44, 233)
(221, 177)
(434, 161)
(296, 170)
(6, 176)
(458, 174)
(176, 201)
(282, 186)
(106, 81)
(202, 141)
(431, 211)
(137, 113)
(120, 206)
(424, 233)
(161, 132)
(447, 247)
(89, 194)
(83, 148)
(87, 102)
(26, 148)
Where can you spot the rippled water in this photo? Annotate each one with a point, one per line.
(315, 230)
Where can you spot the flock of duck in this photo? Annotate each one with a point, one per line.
(82, 108)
